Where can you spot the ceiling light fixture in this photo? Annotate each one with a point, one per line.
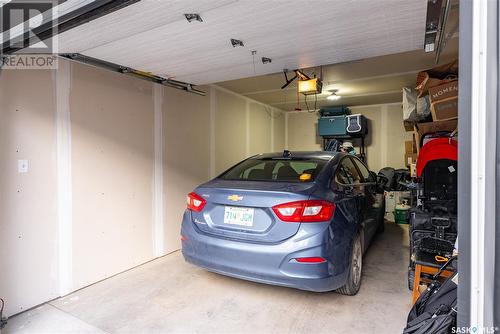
(193, 17)
(309, 87)
(236, 42)
(266, 60)
(333, 96)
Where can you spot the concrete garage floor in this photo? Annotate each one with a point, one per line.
(169, 296)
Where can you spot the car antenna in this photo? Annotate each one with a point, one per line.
(287, 154)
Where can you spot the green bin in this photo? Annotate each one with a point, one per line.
(401, 214)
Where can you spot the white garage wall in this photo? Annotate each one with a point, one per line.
(260, 127)
(111, 159)
(230, 130)
(186, 155)
(243, 127)
(301, 132)
(384, 143)
(28, 210)
(112, 164)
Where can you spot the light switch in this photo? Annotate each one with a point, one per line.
(22, 166)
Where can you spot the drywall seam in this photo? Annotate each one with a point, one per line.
(349, 96)
(383, 137)
(376, 105)
(272, 131)
(213, 111)
(286, 130)
(351, 107)
(335, 82)
(158, 236)
(64, 182)
(247, 128)
(241, 96)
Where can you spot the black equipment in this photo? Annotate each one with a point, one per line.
(392, 179)
(432, 233)
(356, 124)
(386, 178)
(440, 180)
(401, 179)
(433, 226)
(435, 310)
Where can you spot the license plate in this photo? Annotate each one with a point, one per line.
(238, 216)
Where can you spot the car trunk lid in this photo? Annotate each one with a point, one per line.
(242, 210)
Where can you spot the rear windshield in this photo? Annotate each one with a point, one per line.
(276, 169)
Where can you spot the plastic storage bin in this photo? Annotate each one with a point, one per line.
(332, 126)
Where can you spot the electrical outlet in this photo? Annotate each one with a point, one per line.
(22, 166)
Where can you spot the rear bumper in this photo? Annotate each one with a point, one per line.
(269, 263)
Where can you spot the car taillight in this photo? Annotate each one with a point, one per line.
(195, 202)
(305, 211)
(315, 259)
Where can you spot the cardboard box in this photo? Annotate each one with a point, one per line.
(422, 129)
(442, 92)
(409, 146)
(436, 76)
(444, 101)
(445, 109)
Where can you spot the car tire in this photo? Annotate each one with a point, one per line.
(355, 269)
(411, 278)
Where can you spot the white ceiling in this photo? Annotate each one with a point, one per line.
(154, 36)
(362, 82)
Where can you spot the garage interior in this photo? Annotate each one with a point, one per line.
(98, 156)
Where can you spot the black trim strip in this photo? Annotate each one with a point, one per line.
(69, 21)
(133, 72)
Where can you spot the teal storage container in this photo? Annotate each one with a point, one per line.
(334, 111)
(332, 126)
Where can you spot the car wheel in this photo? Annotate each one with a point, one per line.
(411, 278)
(355, 269)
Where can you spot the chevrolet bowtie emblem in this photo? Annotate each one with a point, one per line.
(235, 198)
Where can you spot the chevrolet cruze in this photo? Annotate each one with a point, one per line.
(295, 219)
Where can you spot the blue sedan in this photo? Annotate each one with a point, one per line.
(295, 219)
